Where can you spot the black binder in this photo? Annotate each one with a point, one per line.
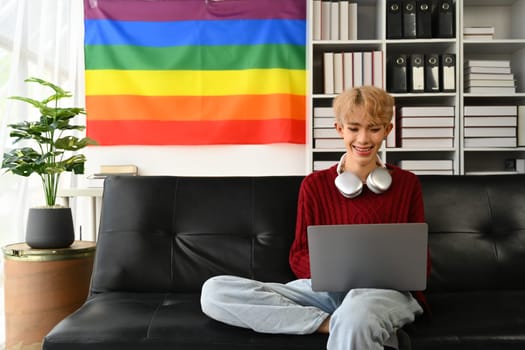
(448, 72)
(432, 73)
(409, 19)
(424, 18)
(444, 19)
(416, 73)
(397, 73)
(394, 23)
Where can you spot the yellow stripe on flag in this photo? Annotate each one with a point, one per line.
(195, 82)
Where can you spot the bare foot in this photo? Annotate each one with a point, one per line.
(325, 326)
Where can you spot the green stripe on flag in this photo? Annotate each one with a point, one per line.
(195, 57)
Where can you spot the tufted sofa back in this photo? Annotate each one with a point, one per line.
(170, 234)
(477, 231)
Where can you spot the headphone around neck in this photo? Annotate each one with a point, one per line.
(351, 186)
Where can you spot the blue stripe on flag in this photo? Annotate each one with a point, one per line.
(198, 32)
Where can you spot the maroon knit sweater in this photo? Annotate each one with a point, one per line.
(321, 203)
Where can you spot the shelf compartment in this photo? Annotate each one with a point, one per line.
(505, 15)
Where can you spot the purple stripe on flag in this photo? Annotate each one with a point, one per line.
(179, 10)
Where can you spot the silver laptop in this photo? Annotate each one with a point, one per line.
(388, 256)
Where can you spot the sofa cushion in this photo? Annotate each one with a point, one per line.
(160, 321)
(170, 234)
(476, 231)
(472, 320)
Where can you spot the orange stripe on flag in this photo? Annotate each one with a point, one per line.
(143, 132)
(237, 107)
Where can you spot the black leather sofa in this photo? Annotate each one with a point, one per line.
(162, 237)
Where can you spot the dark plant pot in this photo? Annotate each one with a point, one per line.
(49, 228)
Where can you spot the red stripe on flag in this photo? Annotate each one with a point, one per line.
(144, 132)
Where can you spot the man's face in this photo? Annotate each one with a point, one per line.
(362, 137)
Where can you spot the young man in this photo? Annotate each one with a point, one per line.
(359, 189)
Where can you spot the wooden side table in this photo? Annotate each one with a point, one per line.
(42, 286)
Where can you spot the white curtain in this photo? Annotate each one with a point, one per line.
(38, 38)
(43, 39)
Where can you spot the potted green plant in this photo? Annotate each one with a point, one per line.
(49, 226)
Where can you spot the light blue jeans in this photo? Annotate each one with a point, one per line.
(362, 319)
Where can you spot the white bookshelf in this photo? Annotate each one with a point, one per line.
(509, 43)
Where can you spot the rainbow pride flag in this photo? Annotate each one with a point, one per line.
(195, 72)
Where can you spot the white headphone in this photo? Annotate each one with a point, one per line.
(351, 186)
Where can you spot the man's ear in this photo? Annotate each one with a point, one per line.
(388, 129)
(339, 128)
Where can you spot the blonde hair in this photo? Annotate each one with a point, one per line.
(377, 103)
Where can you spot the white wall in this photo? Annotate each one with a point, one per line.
(219, 160)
